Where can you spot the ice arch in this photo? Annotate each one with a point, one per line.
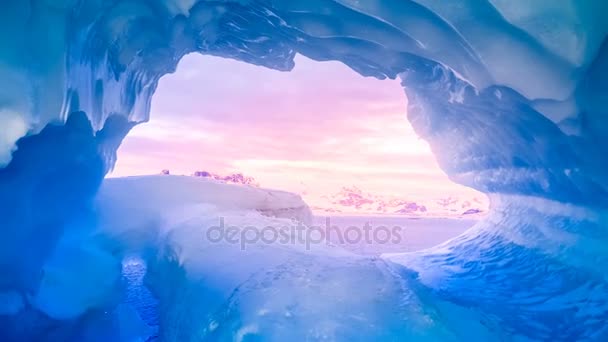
(510, 94)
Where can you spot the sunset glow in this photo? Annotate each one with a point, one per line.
(315, 131)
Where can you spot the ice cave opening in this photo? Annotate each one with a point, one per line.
(321, 132)
(511, 96)
(339, 140)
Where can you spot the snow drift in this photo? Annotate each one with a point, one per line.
(511, 95)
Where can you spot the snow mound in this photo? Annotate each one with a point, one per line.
(170, 192)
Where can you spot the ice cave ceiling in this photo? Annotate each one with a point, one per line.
(464, 64)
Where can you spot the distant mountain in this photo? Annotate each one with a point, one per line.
(236, 178)
(412, 208)
(354, 200)
(472, 211)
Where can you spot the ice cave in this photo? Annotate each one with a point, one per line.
(510, 94)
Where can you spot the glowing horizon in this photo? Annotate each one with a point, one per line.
(313, 131)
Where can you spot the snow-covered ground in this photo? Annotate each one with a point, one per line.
(159, 202)
(170, 192)
(272, 276)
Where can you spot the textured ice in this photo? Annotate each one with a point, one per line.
(511, 95)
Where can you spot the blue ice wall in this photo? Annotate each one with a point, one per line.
(512, 96)
(46, 255)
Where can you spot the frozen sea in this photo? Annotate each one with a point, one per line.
(404, 234)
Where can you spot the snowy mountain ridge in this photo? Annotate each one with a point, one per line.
(353, 200)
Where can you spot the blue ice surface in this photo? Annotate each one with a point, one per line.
(138, 295)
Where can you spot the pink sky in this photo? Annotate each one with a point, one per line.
(313, 131)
